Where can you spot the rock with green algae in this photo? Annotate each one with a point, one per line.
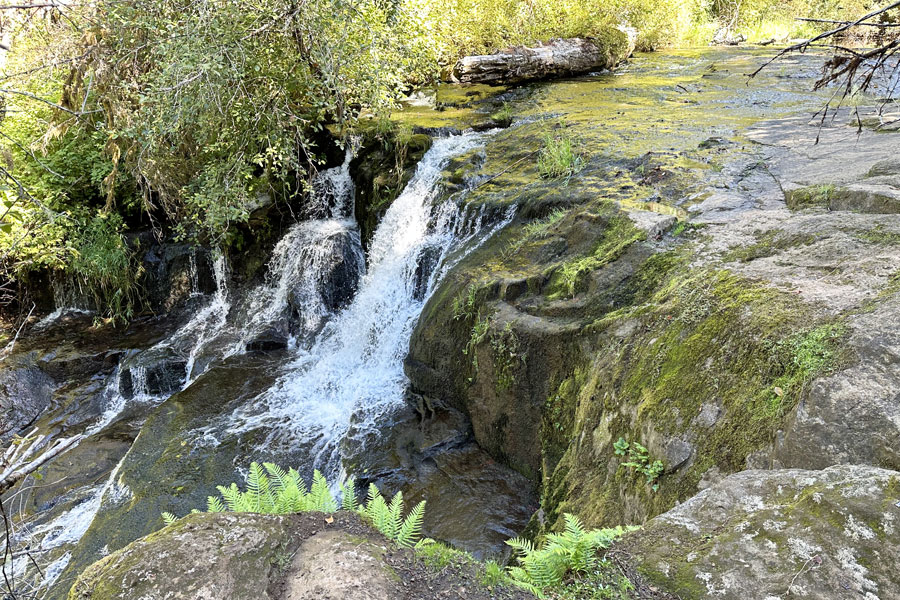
(243, 557)
(306, 556)
(774, 535)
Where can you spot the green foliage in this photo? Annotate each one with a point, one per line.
(618, 235)
(558, 158)
(572, 552)
(540, 229)
(106, 265)
(480, 330)
(387, 517)
(504, 116)
(436, 555)
(799, 358)
(272, 490)
(483, 26)
(493, 575)
(639, 461)
(465, 305)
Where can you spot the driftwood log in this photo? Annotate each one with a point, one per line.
(557, 58)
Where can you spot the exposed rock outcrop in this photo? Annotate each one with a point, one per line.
(214, 556)
(760, 535)
(764, 341)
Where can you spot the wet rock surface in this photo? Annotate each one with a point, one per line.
(756, 535)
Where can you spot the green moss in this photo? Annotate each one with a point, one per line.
(508, 354)
(702, 336)
(618, 235)
(878, 235)
(808, 197)
(768, 244)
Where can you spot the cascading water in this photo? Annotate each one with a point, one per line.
(351, 377)
(346, 375)
(314, 268)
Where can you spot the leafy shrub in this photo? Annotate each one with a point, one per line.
(574, 551)
(106, 265)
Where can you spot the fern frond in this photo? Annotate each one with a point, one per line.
(322, 499)
(412, 526)
(258, 497)
(348, 494)
(395, 515)
(214, 505)
(521, 546)
(520, 579)
(234, 500)
(278, 477)
(168, 518)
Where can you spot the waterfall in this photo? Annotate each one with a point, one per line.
(346, 379)
(351, 378)
(315, 267)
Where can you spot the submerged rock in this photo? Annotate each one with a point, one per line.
(760, 535)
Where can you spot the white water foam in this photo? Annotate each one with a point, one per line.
(300, 260)
(352, 376)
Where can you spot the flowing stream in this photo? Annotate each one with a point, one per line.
(334, 323)
(348, 321)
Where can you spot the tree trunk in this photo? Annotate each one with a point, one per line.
(558, 58)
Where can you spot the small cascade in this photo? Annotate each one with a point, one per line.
(172, 364)
(67, 529)
(351, 378)
(68, 299)
(208, 322)
(314, 270)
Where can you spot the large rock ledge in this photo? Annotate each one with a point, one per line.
(242, 556)
(557, 58)
(769, 535)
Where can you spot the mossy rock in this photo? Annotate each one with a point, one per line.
(820, 535)
(864, 197)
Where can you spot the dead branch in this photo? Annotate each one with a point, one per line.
(27, 464)
(802, 46)
(832, 22)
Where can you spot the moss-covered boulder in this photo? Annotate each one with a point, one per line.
(308, 556)
(761, 535)
(201, 556)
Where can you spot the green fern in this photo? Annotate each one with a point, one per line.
(348, 494)
(272, 490)
(574, 551)
(389, 520)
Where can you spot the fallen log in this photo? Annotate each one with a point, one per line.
(557, 58)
